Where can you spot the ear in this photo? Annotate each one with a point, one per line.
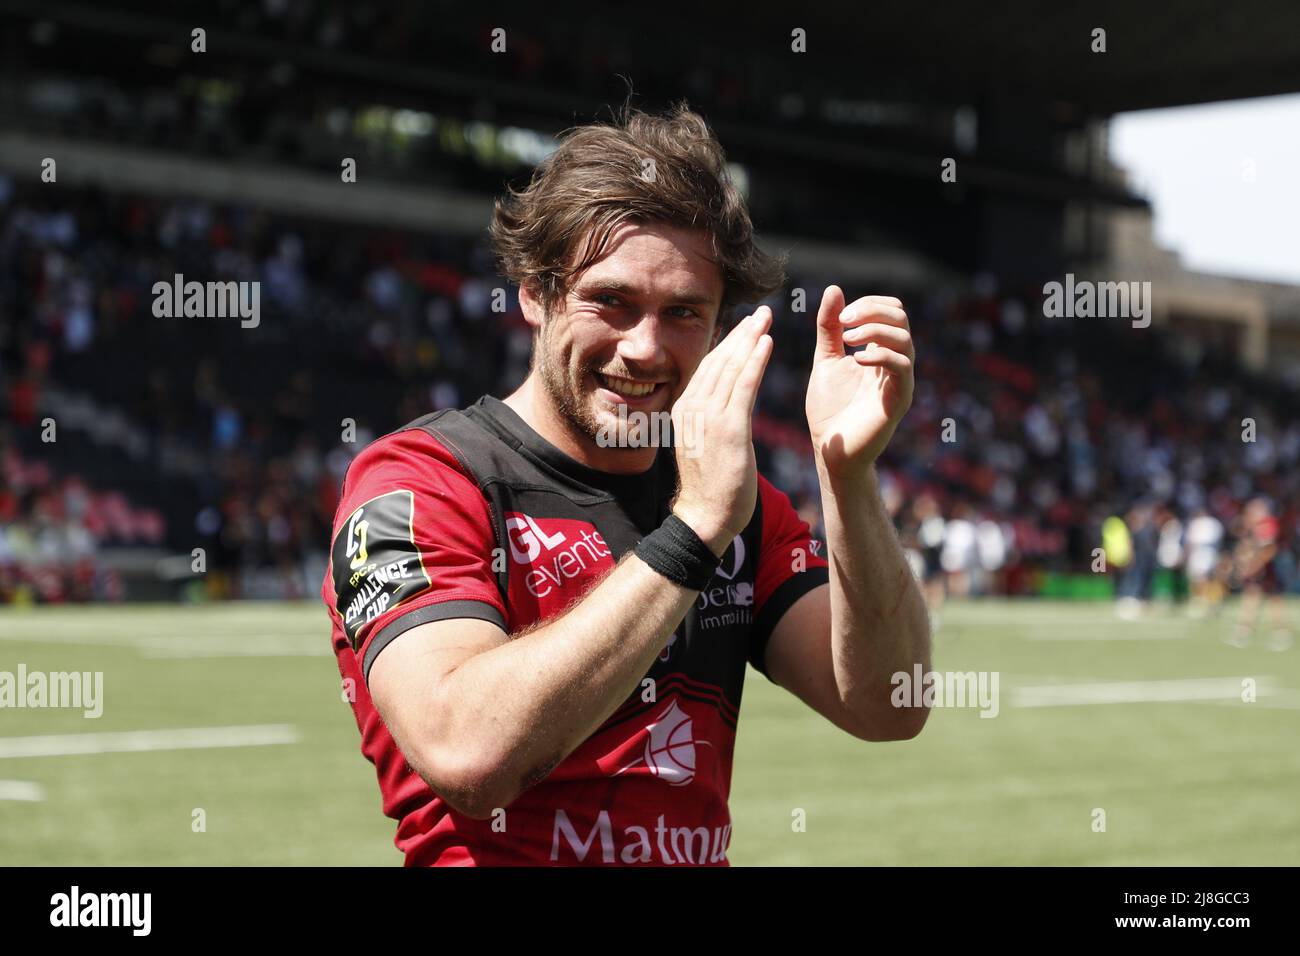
(530, 303)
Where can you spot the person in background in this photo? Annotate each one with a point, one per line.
(1203, 540)
(1256, 560)
(1171, 555)
(1135, 585)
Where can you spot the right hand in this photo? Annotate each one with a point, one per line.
(713, 425)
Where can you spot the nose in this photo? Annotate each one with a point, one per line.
(640, 344)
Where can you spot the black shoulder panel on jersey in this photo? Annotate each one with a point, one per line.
(502, 470)
(472, 447)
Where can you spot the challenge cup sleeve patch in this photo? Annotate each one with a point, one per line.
(374, 561)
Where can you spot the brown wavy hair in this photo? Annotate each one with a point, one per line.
(597, 180)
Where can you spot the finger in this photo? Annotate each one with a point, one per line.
(890, 336)
(705, 379)
(737, 360)
(829, 343)
(745, 393)
(865, 311)
(882, 357)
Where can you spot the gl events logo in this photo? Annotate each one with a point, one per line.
(555, 557)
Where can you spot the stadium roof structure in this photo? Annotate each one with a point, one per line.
(1157, 55)
(842, 140)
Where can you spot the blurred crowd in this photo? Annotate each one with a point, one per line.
(1029, 437)
(1034, 448)
(51, 531)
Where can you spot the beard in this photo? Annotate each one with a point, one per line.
(566, 387)
(566, 394)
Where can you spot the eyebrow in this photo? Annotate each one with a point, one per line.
(683, 296)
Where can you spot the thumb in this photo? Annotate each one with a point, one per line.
(830, 334)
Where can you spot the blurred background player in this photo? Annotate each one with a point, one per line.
(1258, 570)
(1136, 581)
(1203, 539)
(1171, 555)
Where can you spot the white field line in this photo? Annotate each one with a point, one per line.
(21, 790)
(1135, 692)
(139, 741)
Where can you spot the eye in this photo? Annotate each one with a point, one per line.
(607, 298)
(683, 311)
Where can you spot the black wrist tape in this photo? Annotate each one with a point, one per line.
(676, 551)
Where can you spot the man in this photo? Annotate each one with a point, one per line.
(1258, 566)
(545, 618)
(1204, 538)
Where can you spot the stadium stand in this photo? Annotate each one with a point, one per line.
(1026, 433)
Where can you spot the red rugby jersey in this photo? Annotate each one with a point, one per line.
(472, 514)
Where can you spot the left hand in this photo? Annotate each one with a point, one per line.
(856, 401)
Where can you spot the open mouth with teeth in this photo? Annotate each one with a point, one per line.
(628, 388)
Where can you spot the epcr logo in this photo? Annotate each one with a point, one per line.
(357, 540)
(527, 538)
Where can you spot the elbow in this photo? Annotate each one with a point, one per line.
(910, 726)
(472, 783)
(891, 724)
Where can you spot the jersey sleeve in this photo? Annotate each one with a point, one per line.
(413, 542)
(790, 564)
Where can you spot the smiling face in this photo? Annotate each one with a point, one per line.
(629, 331)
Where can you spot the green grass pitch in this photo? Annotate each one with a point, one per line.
(1181, 782)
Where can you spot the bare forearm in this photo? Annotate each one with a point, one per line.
(879, 622)
(535, 699)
